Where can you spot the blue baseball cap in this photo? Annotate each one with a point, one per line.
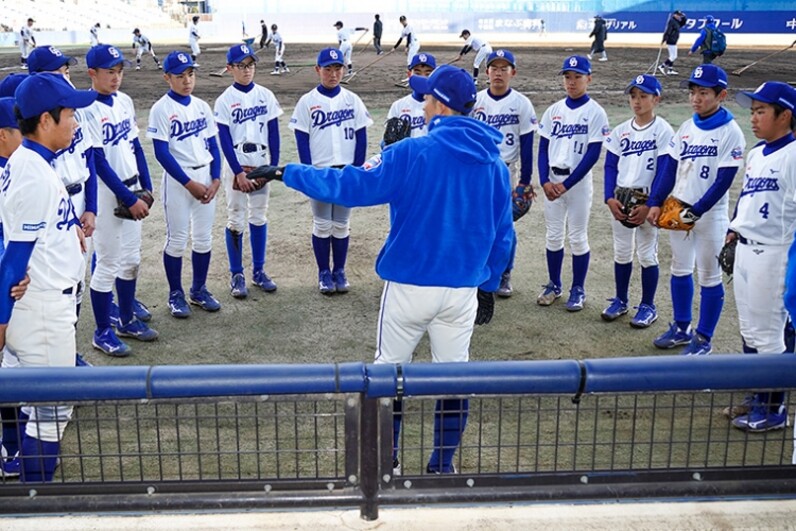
(7, 116)
(647, 83)
(48, 59)
(708, 75)
(9, 85)
(452, 86)
(177, 63)
(44, 92)
(423, 59)
(770, 92)
(105, 56)
(576, 63)
(709, 19)
(330, 56)
(238, 53)
(501, 54)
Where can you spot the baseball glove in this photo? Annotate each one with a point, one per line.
(521, 199)
(630, 199)
(727, 256)
(486, 307)
(396, 129)
(258, 183)
(123, 211)
(266, 172)
(676, 215)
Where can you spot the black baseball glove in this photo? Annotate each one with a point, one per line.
(727, 256)
(521, 200)
(630, 199)
(266, 173)
(486, 307)
(396, 129)
(123, 211)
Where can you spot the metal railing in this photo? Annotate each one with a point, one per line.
(227, 437)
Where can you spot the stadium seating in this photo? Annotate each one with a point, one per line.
(79, 15)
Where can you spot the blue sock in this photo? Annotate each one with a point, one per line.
(38, 459)
(321, 247)
(13, 428)
(746, 348)
(125, 289)
(790, 337)
(201, 264)
(580, 266)
(710, 309)
(258, 235)
(555, 259)
(622, 273)
(101, 304)
(682, 299)
(234, 250)
(513, 252)
(173, 266)
(93, 262)
(397, 417)
(450, 419)
(339, 252)
(649, 284)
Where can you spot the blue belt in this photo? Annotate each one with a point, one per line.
(132, 181)
(74, 189)
(748, 242)
(560, 171)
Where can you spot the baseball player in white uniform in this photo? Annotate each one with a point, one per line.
(704, 156)
(410, 107)
(247, 118)
(193, 39)
(511, 113)
(481, 47)
(141, 45)
(412, 42)
(330, 124)
(26, 42)
(183, 132)
(764, 225)
(122, 169)
(279, 51)
(571, 133)
(634, 150)
(42, 235)
(344, 36)
(94, 35)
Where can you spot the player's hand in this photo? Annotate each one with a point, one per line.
(549, 191)
(242, 183)
(139, 210)
(89, 222)
(3, 336)
(653, 215)
(19, 290)
(731, 236)
(639, 214)
(616, 209)
(212, 190)
(197, 190)
(81, 238)
(560, 189)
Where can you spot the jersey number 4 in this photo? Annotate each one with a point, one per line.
(764, 211)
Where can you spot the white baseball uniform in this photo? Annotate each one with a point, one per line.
(412, 43)
(247, 115)
(410, 109)
(513, 115)
(35, 207)
(481, 47)
(26, 42)
(142, 45)
(117, 242)
(331, 124)
(765, 220)
(186, 128)
(699, 155)
(344, 38)
(193, 39)
(70, 164)
(638, 149)
(279, 46)
(94, 36)
(570, 131)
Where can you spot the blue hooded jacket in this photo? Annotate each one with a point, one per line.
(450, 203)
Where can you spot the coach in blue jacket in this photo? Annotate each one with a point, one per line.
(450, 237)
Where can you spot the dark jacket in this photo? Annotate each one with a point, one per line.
(600, 33)
(672, 33)
(377, 29)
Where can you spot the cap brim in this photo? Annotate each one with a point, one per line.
(684, 84)
(181, 69)
(79, 99)
(640, 87)
(745, 99)
(577, 70)
(420, 84)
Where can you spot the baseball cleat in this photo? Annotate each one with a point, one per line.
(761, 419)
(396, 468)
(10, 468)
(107, 342)
(698, 346)
(341, 284)
(672, 72)
(662, 70)
(645, 316)
(441, 469)
(204, 299)
(285, 70)
(80, 361)
(673, 337)
(615, 310)
(602, 59)
(505, 291)
(141, 312)
(263, 281)
(742, 408)
(548, 296)
(577, 298)
(177, 305)
(137, 329)
(138, 67)
(325, 282)
(275, 73)
(237, 286)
